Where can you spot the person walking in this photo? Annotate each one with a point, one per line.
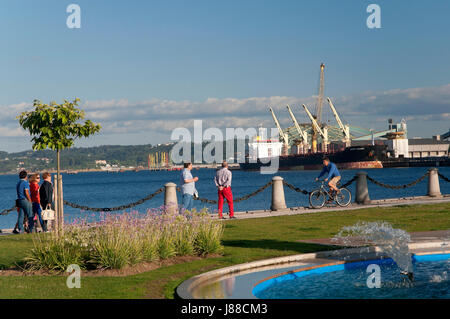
(36, 201)
(187, 183)
(223, 183)
(24, 202)
(46, 194)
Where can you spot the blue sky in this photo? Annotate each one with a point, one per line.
(132, 61)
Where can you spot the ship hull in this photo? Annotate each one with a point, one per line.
(418, 162)
(351, 158)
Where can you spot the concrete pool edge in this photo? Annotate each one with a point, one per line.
(186, 288)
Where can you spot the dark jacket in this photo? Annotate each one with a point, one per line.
(46, 194)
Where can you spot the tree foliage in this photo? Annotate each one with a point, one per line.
(56, 126)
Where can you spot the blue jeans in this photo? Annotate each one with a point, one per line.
(188, 201)
(37, 210)
(25, 210)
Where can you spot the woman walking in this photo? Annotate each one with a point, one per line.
(46, 195)
(36, 201)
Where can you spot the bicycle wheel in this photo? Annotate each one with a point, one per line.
(317, 198)
(344, 197)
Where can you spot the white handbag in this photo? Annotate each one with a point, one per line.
(48, 213)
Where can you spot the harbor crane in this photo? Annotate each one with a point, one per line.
(307, 136)
(319, 104)
(445, 135)
(345, 128)
(318, 110)
(303, 134)
(283, 136)
(317, 128)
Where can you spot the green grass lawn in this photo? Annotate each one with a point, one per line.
(244, 241)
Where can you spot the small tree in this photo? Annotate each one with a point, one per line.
(56, 126)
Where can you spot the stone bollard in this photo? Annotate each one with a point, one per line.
(433, 183)
(278, 201)
(170, 197)
(362, 192)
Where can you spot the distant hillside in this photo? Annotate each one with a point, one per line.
(80, 157)
(84, 157)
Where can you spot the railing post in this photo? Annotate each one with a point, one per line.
(433, 183)
(278, 201)
(362, 191)
(170, 196)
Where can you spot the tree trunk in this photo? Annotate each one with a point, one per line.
(59, 213)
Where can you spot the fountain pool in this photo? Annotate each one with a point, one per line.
(349, 280)
(339, 273)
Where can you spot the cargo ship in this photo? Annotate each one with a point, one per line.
(364, 154)
(353, 157)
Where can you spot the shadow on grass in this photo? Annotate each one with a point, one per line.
(281, 245)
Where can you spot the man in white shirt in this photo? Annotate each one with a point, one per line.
(223, 183)
(187, 183)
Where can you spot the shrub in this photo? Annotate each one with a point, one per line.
(208, 237)
(117, 241)
(52, 253)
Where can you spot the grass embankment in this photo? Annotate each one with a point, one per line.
(244, 241)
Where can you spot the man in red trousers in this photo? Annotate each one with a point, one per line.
(223, 183)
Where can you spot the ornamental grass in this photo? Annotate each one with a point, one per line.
(120, 240)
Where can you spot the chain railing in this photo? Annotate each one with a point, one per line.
(235, 200)
(259, 190)
(7, 211)
(296, 189)
(398, 186)
(122, 207)
(349, 182)
(444, 178)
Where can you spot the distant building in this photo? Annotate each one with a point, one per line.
(426, 147)
(413, 147)
(100, 162)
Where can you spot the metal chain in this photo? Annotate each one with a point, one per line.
(122, 207)
(298, 190)
(398, 186)
(443, 177)
(259, 190)
(7, 211)
(349, 182)
(237, 200)
(305, 192)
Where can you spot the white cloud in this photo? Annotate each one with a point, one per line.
(158, 117)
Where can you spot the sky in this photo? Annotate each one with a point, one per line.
(144, 68)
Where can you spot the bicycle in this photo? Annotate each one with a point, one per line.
(317, 198)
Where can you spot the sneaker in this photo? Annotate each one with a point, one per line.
(233, 217)
(15, 232)
(221, 217)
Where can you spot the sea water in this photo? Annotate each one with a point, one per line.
(102, 189)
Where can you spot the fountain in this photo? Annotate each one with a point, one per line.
(392, 242)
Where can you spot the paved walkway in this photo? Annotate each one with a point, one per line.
(353, 206)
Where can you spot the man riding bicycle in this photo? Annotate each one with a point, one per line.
(333, 173)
